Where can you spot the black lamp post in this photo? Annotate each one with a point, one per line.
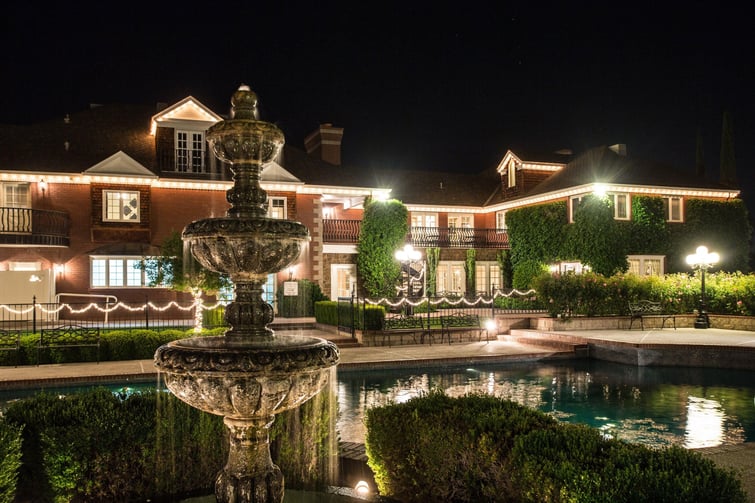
(406, 256)
(702, 260)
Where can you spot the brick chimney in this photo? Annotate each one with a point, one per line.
(325, 143)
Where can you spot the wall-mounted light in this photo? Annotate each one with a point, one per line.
(42, 186)
(59, 268)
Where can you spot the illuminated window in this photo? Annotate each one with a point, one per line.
(512, 174)
(500, 221)
(111, 272)
(190, 152)
(14, 201)
(673, 207)
(120, 206)
(487, 277)
(420, 219)
(15, 195)
(276, 208)
(646, 265)
(620, 206)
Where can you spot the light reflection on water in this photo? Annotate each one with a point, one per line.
(653, 406)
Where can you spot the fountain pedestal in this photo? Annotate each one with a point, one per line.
(249, 374)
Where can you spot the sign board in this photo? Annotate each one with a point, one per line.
(290, 288)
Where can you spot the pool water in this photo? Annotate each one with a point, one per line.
(691, 407)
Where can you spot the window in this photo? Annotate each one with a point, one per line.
(500, 221)
(276, 208)
(190, 148)
(620, 206)
(424, 219)
(15, 195)
(120, 206)
(450, 278)
(673, 207)
(111, 272)
(460, 221)
(646, 265)
(512, 174)
(14, 203)
(342, 280)
(487, 277)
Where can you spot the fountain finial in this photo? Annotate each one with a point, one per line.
(244, 104)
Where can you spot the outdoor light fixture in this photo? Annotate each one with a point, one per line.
(42, 185)
(406, 256)
(362, 488)
(702, 260)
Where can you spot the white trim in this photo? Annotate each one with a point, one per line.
(339, 248)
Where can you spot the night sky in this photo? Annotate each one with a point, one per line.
(414, 85)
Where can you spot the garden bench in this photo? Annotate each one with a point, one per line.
(10, 340)
(68, 336)
(648, 309)
(400, 325)
(461, 322)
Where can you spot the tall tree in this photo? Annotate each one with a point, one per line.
(382, 232)
(728, 169)
(699, 156)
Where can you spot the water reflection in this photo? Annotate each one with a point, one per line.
(653, 406)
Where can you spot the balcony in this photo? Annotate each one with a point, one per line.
(30, 227)
(347, 231)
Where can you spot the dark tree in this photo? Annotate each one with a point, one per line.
(728, 160)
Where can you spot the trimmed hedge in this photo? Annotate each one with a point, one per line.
(369, 317)
(116, 345)
(481, 448)
(149, 446)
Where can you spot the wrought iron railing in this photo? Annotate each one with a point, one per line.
(27, 226)
(347, 231)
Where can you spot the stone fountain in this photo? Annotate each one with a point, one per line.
(249, 374)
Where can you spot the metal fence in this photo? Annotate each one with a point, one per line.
(109, 315)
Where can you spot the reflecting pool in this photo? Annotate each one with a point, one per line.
(691, 407)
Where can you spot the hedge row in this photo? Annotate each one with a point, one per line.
(116, 345)
(482, 448)
(591, 294)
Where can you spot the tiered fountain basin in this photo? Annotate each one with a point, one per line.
(239, 379)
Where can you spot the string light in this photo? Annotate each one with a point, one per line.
(453, 302)
(198, 305)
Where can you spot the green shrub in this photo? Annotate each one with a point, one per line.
(481, 448)
(302, 304)
(96, 446)
(437, 448)
(10, 459)
(576, 463)
(367, 317)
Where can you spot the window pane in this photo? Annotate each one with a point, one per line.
(115, 272)
(133, 273)
(98, 272)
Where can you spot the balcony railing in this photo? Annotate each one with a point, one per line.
(26, 226)
(347, 231)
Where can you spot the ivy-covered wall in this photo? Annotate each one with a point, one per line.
(541, 234)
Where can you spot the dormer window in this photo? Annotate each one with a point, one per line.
(190, 149)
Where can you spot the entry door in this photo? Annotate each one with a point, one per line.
(343, 278)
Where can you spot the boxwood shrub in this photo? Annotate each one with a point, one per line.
(481, 448)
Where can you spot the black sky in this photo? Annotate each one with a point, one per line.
(414, 85)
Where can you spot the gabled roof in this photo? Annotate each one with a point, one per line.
(188, 109)
(120, 164)
(605, 165)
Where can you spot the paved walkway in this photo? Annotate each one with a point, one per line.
(739, 457)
